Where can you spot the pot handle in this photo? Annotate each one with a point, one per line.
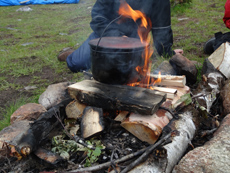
(105, 30)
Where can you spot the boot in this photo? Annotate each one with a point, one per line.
(65, 53)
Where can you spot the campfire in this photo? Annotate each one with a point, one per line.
(144, 123)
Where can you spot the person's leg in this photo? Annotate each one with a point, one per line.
(209, 46)
(212, 44)
(80, 60)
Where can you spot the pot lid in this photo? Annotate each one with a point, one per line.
(119, 43)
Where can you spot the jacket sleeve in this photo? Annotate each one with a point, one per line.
(103, 12)
(161, 28)
(226, 17)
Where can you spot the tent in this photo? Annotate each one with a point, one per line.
(28, 2)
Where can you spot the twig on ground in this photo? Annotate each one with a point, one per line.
(112, 162)
(107, 164)
(146, 152)
(208, 132)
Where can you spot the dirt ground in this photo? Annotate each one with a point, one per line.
(11, 95)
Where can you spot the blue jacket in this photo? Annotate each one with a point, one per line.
(104, 11)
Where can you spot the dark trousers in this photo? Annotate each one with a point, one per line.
(80, 59)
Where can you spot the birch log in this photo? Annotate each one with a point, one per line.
(175, 149)
(220, 59)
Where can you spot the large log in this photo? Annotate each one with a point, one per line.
(40, 129)
(117, 97)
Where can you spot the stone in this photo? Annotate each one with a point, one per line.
(225, 95)
(184, 66)
(54, 94)
(165, 68)
(14, 131)
(208, 67)
(29, 111)
(213, 157)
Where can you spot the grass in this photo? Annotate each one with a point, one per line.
(12, 108)
(30, 42)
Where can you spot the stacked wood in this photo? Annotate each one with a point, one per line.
(117, 97)
(122, 116)
(92, 121)
(74, 109)
(170, 80)
(147, 128)
(180, 92)
(186, 125)
(170, 92)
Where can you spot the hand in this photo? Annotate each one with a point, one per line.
(179, 51)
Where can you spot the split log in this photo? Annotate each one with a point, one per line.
(170, 92)
(169, 80)
(40, 129)
(180, 92)
(117, 97)
(220, 59)
(147, 128)
(92, 121)
(74, 109)
(175, 150)
(121, 116)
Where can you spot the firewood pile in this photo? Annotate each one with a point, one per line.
(120, 128)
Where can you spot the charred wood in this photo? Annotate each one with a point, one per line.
(41, 128)
(117, 97)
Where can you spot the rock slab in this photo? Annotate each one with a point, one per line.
(29, 111)
(213, 157)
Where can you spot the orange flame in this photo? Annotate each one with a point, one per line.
(143, 31)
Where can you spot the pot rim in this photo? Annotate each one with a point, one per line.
(118, 43)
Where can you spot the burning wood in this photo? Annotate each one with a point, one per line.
(117, 97)
(39, 129)
(169, 80)
(170, 92)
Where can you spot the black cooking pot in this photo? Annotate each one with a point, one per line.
(114, 59)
